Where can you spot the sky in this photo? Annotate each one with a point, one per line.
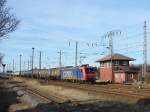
(50, 25)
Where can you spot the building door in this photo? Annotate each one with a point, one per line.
(119, 77)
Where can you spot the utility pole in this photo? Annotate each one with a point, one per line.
(20, 64)
(4, 65)
(111, 47)
(10, 67)
(60, 55)
(76, 55)
(39, 65)
(145, 50)
(32, 60)
(40, 61)
(13, 65)
(28, 64)
(7, 67)
(110, 36)
(24, 65)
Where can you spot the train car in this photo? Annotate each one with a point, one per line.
(16, 73)
(84, 73)
(44, 73)
(26, 73)
(40, 73)
(35, 73)
(9, 72)
(55, 73)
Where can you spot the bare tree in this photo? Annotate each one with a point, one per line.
(8, 22)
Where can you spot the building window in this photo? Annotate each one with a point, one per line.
(116, 62)
(125, 63)
(131, 75)
(109, 64)
(102, 64)
(105, 64)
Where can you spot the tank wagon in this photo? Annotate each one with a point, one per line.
(26, 73)
(55, 73)
(16, 73)
(44, 73)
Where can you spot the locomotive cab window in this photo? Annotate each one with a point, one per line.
(90, 70)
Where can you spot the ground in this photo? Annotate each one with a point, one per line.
(11, 102)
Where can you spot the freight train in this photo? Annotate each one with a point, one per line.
(84, 73)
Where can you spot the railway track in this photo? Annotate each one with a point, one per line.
(46, 97)
(129, 89)
(99, 89)
(35, 93)
(114, 92)
(110, 90)
(42, 95)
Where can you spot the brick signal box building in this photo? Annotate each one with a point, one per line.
(115, 68)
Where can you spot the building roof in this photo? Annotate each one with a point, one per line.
(115, 56)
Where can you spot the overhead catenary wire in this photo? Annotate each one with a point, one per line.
(91, 48)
